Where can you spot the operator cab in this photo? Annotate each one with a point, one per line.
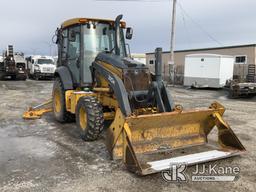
(80, 40)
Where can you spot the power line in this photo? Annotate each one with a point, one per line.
(136, 0)
(186, 29)
(199, 26)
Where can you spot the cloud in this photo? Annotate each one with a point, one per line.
(29, 25)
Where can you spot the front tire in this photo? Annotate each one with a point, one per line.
(59, 103)
(37, 77)
(89, 118)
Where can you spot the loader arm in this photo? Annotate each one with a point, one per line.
(149, 141)
(131, 84)
(117, 86)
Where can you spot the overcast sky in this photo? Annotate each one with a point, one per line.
(30, 24)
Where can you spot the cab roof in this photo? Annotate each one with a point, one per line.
(76, 21)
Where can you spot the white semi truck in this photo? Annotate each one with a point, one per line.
(41, 67)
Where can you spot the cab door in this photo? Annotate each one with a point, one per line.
(71, 52)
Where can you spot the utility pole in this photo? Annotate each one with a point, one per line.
(50, 47)
(34, 50)
(171, 62)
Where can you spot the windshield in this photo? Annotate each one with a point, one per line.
(100, 37)
(45, 61)
(96, 37)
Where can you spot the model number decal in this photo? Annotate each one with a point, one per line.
(111, 79)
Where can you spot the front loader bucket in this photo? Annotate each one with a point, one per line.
(151, 143)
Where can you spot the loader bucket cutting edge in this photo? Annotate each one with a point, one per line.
(152, 142)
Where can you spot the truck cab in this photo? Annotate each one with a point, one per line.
(41, 67)
(1, 60)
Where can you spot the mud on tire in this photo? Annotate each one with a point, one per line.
(89, 118)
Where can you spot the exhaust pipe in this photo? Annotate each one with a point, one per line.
(117, 34)
(158, 65)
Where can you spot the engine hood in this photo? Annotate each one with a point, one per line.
(119, 62)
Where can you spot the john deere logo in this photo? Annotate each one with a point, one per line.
(176, 173)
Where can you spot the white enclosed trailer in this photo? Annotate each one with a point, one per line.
(208, 70)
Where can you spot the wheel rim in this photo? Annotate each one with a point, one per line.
(57, 102)
(82, 118)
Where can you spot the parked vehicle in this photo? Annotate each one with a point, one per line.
(239, 87)
(13, 65)
(41, 67)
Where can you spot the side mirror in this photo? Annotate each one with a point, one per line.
(72, 36)
(56, 36)
(129, 33)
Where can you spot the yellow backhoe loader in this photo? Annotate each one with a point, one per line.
(96, 81)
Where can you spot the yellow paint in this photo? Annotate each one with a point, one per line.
(101, 89)
(179, 129)
(36, 114)
(37, 111)
(109, 115)
(82, 118)
(68, 99)
(112, 69)
(102, 81)
(107, 100)
(76, 21)
(57, 100)
(114, 133)
(72, 98)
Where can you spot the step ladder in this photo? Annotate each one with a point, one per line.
(251, 76)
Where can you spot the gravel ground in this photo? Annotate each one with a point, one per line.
(43, 155)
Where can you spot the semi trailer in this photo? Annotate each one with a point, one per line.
(13, 65)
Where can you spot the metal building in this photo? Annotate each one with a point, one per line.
(243, 55)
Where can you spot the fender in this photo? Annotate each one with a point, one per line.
(63, 73)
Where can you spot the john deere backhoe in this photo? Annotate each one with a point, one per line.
(96, 81)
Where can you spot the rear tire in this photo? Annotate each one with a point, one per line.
(22, 78)
(89, 118)
(59, 103)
